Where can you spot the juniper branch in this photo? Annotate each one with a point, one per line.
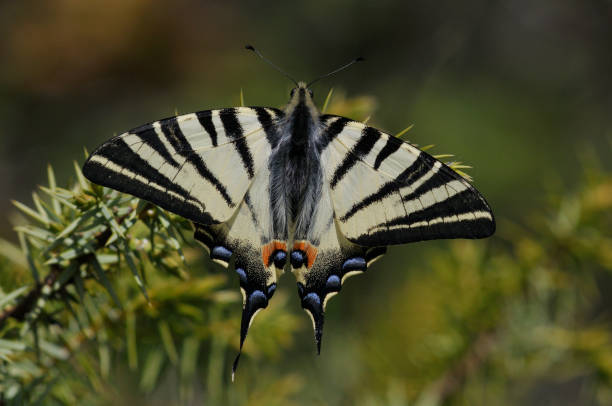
(29, 301)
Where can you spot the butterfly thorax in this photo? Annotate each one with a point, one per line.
(295, 170)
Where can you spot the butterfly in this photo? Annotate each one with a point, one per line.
(292, 189)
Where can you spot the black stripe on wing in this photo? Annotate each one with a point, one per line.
(205, 119)
(332, 130)
(472, 229)
(369, 136)
(390, 147)
(175, 136)
(122, 155)
(453, 206)
(423, 164)
(147, 135)
(130, 167)
(233, 130)
(268, 124)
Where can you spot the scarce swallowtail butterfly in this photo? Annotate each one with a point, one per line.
(318, 194)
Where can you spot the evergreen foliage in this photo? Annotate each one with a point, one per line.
(96, 273)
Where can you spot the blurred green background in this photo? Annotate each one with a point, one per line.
(521, 90)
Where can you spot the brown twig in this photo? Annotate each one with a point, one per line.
(28, 302)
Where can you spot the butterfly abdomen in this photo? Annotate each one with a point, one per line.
(295, 171)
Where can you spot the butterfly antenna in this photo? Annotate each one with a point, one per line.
(252, 48)
(343, 67)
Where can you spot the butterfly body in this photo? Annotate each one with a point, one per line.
(296, 176)
(274, 190)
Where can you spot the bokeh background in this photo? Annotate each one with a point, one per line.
(520, 90)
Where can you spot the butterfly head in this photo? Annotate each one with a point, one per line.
(301, 101)
(301, 90)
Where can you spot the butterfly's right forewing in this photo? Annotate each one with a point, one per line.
(386, 191)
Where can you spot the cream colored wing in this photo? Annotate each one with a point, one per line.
(386, 191)
(197, 165)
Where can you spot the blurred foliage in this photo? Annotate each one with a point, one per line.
(518, 88)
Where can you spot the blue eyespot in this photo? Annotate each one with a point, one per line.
(242, 275)
(257, 300)
(279, 258)
(311, 301)
(220, 252)
(297, 259)
(354, 264)
(333, 283)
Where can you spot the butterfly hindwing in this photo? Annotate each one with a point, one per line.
(197, 165)
(322, 262)
(377, 190)
(386, 191)
(210, 167)
(248, 238)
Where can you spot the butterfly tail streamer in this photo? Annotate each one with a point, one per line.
(311, 303)
(254, 302)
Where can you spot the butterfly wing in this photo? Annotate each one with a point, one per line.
(378, 191)
(259, 255)
(323, 260)
(197, 165)
(386, 191)
(209, 167)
